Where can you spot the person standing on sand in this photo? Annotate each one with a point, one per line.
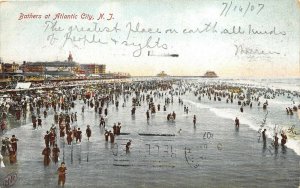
(276, 140)
(174, 115)
(13, 142)
(128, 146)
(115, 128)
(264, 135)
(12, 155)
(283, 138)
(55, 153)
(46, 152)
(34, 121)
(47, 139)
(237, 122)
(112, 137)
(69, 137)
(102, 121)
(78, 135)
(147, 115)
(106, 134)
(39, 121)
(105, 112)
(52, 137)
(75, 116)
(62, 174)
(88, 132)
(194, 120)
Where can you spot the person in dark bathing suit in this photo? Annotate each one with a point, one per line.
(264, 135)
(128, 146)
(237, 122)
(88, 132)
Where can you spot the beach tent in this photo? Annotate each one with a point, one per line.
(23, 85)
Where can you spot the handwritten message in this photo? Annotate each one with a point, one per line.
(10, 180)
(106, 30)
(231, 7)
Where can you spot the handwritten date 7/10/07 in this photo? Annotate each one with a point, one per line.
(241, 9)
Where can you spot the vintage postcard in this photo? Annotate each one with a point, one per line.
(150, 93)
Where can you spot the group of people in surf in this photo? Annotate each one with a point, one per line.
(275, 142)
(66, 120)
(290, 111)
(219, 91)
(9, 148)
(171, 116)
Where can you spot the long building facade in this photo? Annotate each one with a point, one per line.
(93, 69)
(63, 68)
(54, 70)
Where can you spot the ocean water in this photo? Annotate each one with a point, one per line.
(277, 117)
(211, 154)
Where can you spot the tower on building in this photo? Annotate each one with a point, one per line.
(70, 58)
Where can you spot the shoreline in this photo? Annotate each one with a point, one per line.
(226, 160)
(231, 157)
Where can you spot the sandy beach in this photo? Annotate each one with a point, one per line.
(213, 153)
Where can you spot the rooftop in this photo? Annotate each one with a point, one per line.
(53, 64)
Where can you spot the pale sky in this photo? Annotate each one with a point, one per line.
(29, 40)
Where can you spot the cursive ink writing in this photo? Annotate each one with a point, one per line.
(52, 26)
(52, 39)
(208, 27)
(139, 38)
(242, 50)
(234, 30)
(292, 130)
(148, 44)
(253, 31)
(10, 180)
(249, 8)
(83, 39)
(192, 160)
(95, 28)
(137, 29)
(208, 135)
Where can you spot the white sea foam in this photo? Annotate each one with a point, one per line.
(245, 118)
